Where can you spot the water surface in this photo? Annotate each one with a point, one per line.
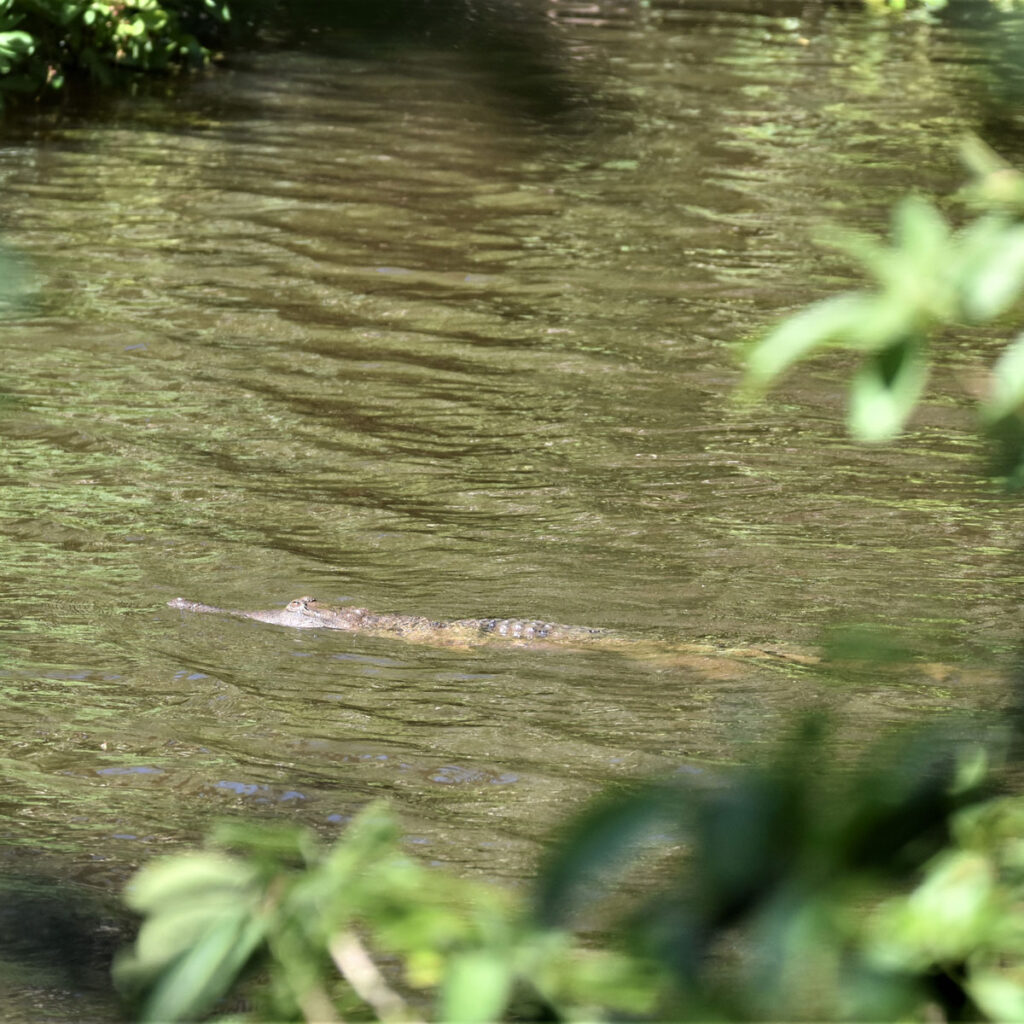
(360, 324)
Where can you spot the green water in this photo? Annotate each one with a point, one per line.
(361, 325)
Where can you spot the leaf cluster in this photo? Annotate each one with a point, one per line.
(776, 912)
(316, 924)
(963, 921)
(791, 891)
(44, 43)
(927, 278)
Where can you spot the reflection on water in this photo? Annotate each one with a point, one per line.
(355, 325)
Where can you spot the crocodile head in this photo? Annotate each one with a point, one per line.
(308, 611)
(302, 613)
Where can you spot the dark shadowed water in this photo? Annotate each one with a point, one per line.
(391, 324)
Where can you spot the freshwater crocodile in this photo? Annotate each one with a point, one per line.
(308, 613)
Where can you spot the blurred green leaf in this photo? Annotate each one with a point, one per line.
(992, 268)
(885, 391)
(1006, 450)
(818, 325)
(1007, 388)
(886, 319)
(867, 643)
(911, 270)
(980, 158)
(999, 997)
(920, 232)
(874, 256)
(926, 279)
(943, 920)
(807, 891)
(206, 971)
(476, 987)
(190, 878)
(14, 46)
(919, 228)
(747, 837)
(996, 185)
(275, 842)
(171, 933)
(591, 980)
(996, 824)
(597, 842)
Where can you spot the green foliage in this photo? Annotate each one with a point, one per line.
(313, 920)
(902, 6)
(795, 891)
(203, 924)
(926, 279)
(772, 914)
(44, 42)
(963, 920)
(926, 7)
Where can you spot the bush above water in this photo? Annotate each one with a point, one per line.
(46, 43)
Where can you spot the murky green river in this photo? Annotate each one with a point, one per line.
(377, 324)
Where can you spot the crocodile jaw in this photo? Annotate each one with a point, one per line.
(294, 615)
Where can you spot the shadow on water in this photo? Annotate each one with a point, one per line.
(57, 941)
(516, 49)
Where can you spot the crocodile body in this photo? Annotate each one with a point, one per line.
(308, 613)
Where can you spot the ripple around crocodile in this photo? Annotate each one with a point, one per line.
(308, 613)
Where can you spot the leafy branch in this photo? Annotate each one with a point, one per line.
(797, 890)
(316, 922)
(926, 279)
